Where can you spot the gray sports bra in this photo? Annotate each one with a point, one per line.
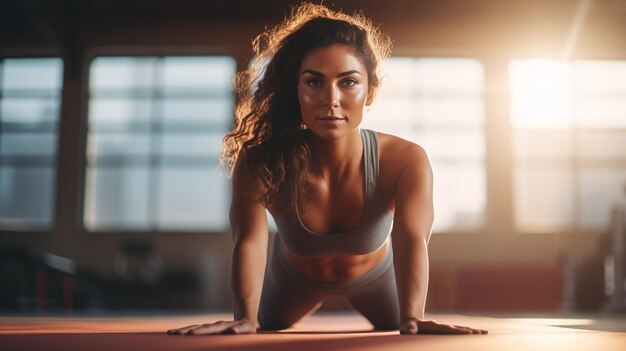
(369, 234)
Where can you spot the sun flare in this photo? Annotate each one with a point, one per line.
(541, 93)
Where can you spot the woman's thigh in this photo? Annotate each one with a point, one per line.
(285, 299)
(378, 301)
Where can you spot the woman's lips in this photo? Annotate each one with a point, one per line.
(330, 118)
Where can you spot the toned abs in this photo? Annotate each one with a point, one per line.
(345, 268)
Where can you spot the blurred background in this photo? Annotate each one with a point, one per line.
(112, 112)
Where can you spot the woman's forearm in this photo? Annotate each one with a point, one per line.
(411, 267)
(248, 268)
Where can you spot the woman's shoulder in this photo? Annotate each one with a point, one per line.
(395, 155)
(244, 175)
(396, 150)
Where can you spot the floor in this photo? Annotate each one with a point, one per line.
(319, 332)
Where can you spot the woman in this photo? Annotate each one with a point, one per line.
(334, 189)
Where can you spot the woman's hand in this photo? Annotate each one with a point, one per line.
(416, 326)
(243, 326)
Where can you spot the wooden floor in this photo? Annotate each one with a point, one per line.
(319, 332)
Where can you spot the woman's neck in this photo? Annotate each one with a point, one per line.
(337, 158)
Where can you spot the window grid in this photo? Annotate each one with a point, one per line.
(28, 141)
(585, 153)
(438, 103)
(154, 161)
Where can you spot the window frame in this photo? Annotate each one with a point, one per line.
(90, 56)
(573, 163)
(43, 53)
(415, 55)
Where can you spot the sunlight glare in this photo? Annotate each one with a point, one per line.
(541, 93)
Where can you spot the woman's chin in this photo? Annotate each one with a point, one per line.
(332, 132)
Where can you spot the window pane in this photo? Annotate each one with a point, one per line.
(30, 91)
(447, 76)
(26, 197)
(585, 101)
(119, 112)
(543, 144)
(191, 200)
(118, 144)
(459, 207)
(439, 104)
(35, 73)
(117, 198)
(198, 73)
(122, 73)
(29, 110)
(602, 144)
(24, 144)
(543, 199)
(602, 111)
(452, 145)
(462, 111)
(203, 112)
(541, 95)
(600, 76)
(600, 190)
(196, 145)
(391, 115)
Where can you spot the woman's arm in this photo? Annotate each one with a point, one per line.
(412, 225)
(411, 231)
(250, 235)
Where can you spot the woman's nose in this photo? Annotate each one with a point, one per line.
(332, 98)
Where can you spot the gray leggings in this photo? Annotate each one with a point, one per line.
(289, 295)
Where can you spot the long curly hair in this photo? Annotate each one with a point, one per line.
(268, 138)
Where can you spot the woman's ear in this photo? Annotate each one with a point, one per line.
(370, 98)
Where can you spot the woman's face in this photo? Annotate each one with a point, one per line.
(332, 90)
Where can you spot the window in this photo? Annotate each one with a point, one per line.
(155, 130)
(30, 97)
(569, 121)
(438, 103)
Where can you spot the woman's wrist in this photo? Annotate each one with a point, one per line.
(250, 320)
(409, 319)
(412, 313)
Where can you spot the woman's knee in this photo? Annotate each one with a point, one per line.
(273, 324)
(283, 317)
(395, 325)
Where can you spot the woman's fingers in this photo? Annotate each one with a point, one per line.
(474, 330)
(454, 329)
(182, 330)
(221, 327)
(433, 327)
(194, 329)
(211, 328)
(235, 327)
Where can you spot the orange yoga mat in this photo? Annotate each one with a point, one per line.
(319, 332)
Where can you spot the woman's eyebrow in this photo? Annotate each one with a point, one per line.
(321, 75)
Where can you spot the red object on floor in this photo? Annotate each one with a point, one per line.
(511, 289)
(502, 288)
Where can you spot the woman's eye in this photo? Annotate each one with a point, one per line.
(349, 82)
(313, 82)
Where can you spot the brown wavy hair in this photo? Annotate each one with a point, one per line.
(268, 138)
